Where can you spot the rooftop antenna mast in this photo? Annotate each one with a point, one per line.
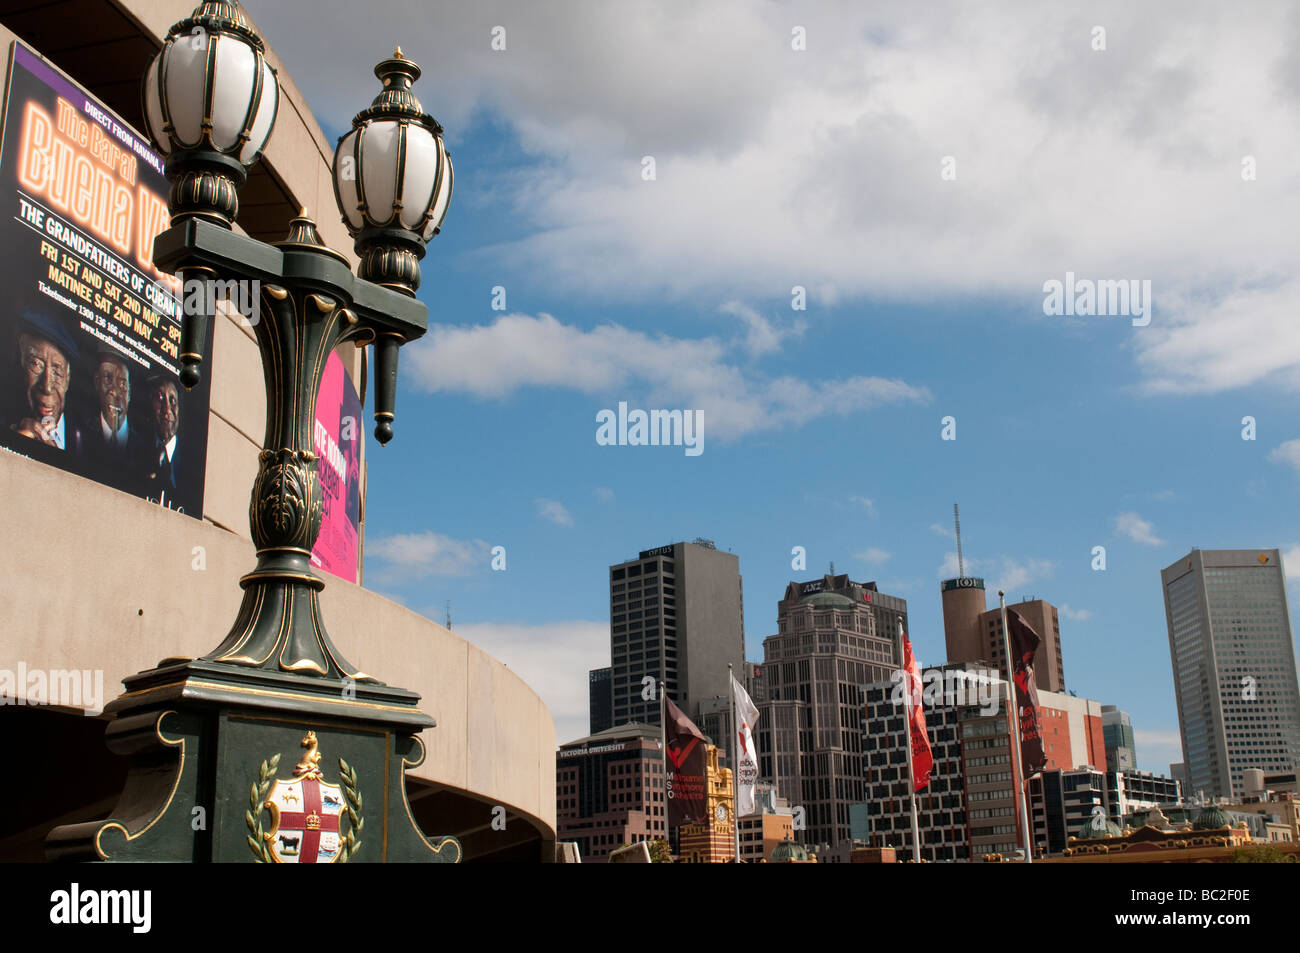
(961, 564)
(448, 622)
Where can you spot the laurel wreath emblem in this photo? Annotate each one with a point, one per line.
(253, 816)
(257, 841)
(351, 843)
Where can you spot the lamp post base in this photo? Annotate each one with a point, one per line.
(229, 768)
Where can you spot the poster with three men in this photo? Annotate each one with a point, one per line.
(89, 327)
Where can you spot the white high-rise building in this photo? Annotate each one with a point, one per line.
(1234, 661)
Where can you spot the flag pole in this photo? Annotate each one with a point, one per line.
(1013, 708)
(663, 752)
(907, 745)
(735, 761)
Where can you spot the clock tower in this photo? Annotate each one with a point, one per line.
(712, 841)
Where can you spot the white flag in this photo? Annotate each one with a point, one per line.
(746, 759)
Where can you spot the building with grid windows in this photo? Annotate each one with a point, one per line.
(969, 807)
(674, 613)
(1233, 654)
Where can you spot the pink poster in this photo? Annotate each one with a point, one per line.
(338, 463)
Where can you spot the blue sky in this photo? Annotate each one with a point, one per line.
(822, 168)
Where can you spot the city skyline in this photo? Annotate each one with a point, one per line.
(924, 299)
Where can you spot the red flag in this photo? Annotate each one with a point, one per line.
(1024, 644)
(922, 756)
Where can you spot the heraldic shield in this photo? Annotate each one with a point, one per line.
(307, 814)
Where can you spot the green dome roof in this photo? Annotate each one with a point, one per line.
(1211, 819)
(1090, 830)
(827, 600)
(787, 851)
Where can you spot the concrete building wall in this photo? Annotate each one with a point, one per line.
(710, 622)
(100, 580)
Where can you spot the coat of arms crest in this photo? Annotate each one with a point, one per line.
(306, 812)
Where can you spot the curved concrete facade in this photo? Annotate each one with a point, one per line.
(97, 579)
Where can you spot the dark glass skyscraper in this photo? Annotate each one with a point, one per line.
(674, 612)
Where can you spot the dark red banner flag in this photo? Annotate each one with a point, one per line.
(1024, 643)
(922, 756)
(685, 788)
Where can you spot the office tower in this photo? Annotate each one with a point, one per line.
(834, 636)
(1049, 669)
(1117, 729)
(674, 613)
(600, 699)
(970, 807)
(973, 633)
(609, 790)
(1233, 655)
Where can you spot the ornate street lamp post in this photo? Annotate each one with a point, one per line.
(203, 732)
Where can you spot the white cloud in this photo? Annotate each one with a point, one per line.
(939, 530)
(1287, 454)
(405, 556)
(1157, 750)
(604, 494)
(873, 556)
(761, 335)
(1137, 529)
(553, 658)
(1078, 615)
(520, 350)
(1013, 574)
(866, 504)
(1007, 573)
(1291, 560)
(554, 511)
(1217, 345)
(821, 168)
